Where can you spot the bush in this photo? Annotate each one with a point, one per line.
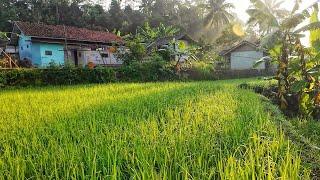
(146, 72)
(2, 79)
(201, 71)
(25, 63)
(150, 71)
(56, 76)
(21, 77)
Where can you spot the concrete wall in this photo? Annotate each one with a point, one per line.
(243, 60)
(36, 57)
(96, 58)
(35, 51)
(25, 47)
(57, 55)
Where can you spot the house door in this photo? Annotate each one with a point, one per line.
(75, 55)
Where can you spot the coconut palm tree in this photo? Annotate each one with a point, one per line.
(266, 14)
(218, 13)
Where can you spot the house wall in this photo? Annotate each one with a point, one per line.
(56, 56)
(36, 52)
(25, 47)
(96, 58)
(36, 57)
(112, 60)
(243, 60)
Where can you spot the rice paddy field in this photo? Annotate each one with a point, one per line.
(195, 130)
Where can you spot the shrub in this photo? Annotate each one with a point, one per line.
(56, 76)
(2, 79)
(25, 63)
(100, 75)
(201, 71)
(146, 72)
(21, 77)
(149, 71)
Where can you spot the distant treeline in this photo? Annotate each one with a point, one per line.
(196, 17)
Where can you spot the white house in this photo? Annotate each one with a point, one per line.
(243, 56)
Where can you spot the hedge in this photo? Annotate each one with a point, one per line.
(70, 76)
(137, 72)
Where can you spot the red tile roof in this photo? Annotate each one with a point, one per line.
(40, 30)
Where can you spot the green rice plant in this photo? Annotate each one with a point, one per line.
(197, 130)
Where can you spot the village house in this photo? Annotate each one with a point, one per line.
(243, 56)
(44, 44)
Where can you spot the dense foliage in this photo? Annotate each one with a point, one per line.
(152, 71)
(298, 86)
(203, 19)
(137, 72)
(58, 76)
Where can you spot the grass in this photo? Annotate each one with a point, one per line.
(309, 131)
(197, 130)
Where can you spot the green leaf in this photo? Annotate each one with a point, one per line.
(3, 36)
(182, 45)
(260, 61)
(298, 86)
(309, 27)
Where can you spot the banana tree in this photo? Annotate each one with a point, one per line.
(285, 45)
(149, 34)
(179, 53)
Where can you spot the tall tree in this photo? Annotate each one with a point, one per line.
(116, 15)
(133, 19)
(94, 16)
(218, 13)
(265, 14)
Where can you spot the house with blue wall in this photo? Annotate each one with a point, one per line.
(40, 53)
(44, 44)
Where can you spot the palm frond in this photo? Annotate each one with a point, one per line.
(296, 6)
(294, 20)
(261, 61)
(270, 40)
(309, 27)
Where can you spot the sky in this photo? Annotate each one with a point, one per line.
(242, 5)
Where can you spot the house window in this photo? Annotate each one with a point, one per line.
(21, 48)
(48, 53)
(27, 46)
(105, 55)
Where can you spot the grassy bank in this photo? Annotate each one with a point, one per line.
(199, 130)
